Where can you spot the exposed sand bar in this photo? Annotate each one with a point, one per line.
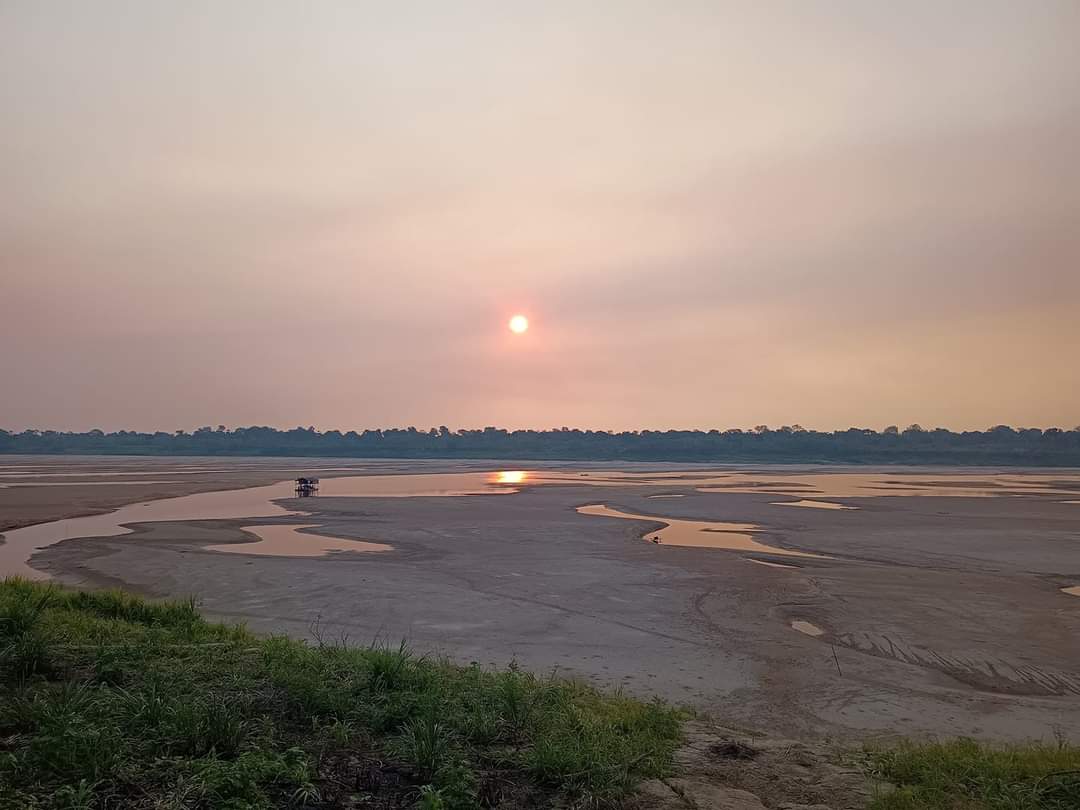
(287, 540)
(28, 484)
(815, 505)
(233, 504)
(939, 608)
(437, 485)
(870, 485)
(20, 544)
(94, 485)
(828, 483)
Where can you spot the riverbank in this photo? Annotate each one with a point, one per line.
(107, 700)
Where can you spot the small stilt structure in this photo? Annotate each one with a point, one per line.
(306, 487)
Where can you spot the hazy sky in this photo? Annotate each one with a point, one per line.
(714, 214)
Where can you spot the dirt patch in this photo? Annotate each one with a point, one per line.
(721, 769)
(732, 749)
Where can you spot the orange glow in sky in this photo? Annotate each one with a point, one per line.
(808, 247)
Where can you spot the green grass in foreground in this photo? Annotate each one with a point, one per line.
(107, 700)
(967, 775)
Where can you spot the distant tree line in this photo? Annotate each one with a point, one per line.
(913, 445)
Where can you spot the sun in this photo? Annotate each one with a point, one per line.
(519, 324)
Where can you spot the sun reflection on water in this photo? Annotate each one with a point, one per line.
(510, 477)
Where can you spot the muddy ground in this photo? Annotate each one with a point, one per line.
(939, 615)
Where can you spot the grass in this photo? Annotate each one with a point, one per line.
(967, 775)
(108, 700)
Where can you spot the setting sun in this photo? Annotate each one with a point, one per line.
(518, 324)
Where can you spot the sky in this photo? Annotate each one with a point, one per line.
(715, 214)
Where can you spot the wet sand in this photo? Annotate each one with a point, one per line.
(815, 505)
(771, 564)
(947, 613)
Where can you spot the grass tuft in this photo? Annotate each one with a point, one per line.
(964, 774)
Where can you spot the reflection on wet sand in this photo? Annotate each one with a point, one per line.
(775, 564)
(252, 502)
(28, 466)
(651, 497)
(697, 533)
(807, 628)
(289, 541)
(27, 484)
(810, 488)
(1072, 590)
(835, 484)
(439, 485)
(814, 504)
(869, 485)
(27, 473)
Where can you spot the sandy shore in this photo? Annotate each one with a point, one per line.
(945, 613)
